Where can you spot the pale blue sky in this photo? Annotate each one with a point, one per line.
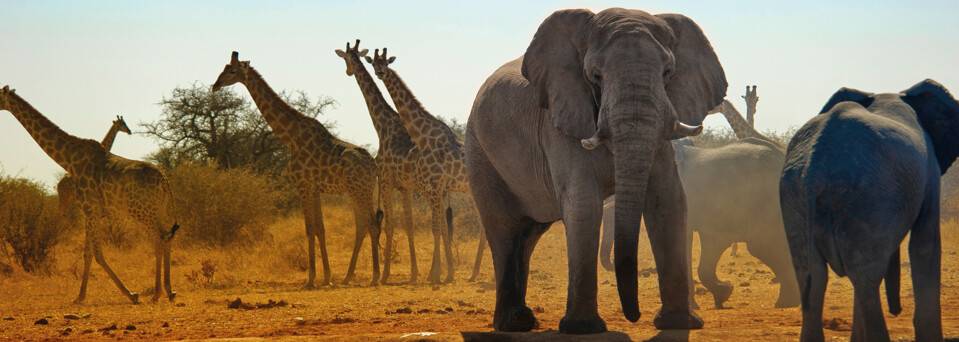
(82, 62)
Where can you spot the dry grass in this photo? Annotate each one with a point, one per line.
(273, 269)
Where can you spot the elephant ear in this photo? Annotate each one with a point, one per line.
(848, 94)
(553, 65)
(698, 83)
(938, 113)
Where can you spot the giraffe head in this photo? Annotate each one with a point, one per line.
(352, 56)
(120, 125)
(5, 94)
(235, 71)
(381, 64)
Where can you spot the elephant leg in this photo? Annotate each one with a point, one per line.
(158, 247)
(480, 247)
(776, 256)
(868, 323)
(711, 250)
(512, 245)
(665, 219)
(925, 257)
(407, 198)
(389, 224)
(814, 294)
(606, 244)
(87, 262)
(582, 213)
(98, 255)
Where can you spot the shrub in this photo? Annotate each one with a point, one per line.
(30, 223)
(221, 207)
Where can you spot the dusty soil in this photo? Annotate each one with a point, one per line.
(398, 311)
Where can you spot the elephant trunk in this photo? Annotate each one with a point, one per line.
(634, 139)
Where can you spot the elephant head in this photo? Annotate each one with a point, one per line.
(936, 110)
(634, 81)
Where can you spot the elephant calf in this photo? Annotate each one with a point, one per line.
(858, 177)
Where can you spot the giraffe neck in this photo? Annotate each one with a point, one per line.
(111, 136)
(287, 123)
(66, 150)
(740, 126)
(385, 120)
(422, 126)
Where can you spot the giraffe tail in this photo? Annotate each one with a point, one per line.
(169, 236)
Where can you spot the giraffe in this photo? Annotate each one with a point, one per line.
(66, 188)
(741, 126)
(395, 158)
(319, 163)
(107, 186)
(440, 168)
(751, 99)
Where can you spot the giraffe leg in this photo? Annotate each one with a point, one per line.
(158, 247)
(321, 239)
(386, 202)
(408, 226)
(87, 261)
(98, 255)
(448, 242)
(168, 245)
(357, 244)
(436, 208)
(481, 246)
(306, 202)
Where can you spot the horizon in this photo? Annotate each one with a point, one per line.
(81, 64)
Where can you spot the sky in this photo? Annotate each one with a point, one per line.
(80, 63)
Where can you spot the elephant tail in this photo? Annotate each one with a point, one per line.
(892, 284)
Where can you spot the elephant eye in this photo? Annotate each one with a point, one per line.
(597, 76)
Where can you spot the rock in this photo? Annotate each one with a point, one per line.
(538, 309)
(42, 321)
(8, 318)
(109, 327)
(297, 305)
(299, 320)
(404, 311)
(837, 324)
(180, 305)
(448, 309)
(441, 312)
(165, 325)
(423, 311)
(76, 316)
(87, 331)
(744, 284)
(131, 327)
(462, 303)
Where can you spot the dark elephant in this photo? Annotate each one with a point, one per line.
(588, 111)
(859, 177)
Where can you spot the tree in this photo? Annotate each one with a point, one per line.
(224, 128)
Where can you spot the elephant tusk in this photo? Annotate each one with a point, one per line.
(591, 143)
(685, 130)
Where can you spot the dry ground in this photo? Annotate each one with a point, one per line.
(271, 272)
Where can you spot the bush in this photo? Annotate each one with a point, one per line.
(221, 207)
(30, 223)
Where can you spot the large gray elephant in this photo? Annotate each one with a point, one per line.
(733, 196)
(588, 111)
(859, 177)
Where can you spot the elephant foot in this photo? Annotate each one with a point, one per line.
(787, 302)
(518, 319)
(721, 294)
(172, 295)
(679, 319)
(135, 297)
(582, 326)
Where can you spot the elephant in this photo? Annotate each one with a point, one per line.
(586, 112)
(858, 177)
(732, 194)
